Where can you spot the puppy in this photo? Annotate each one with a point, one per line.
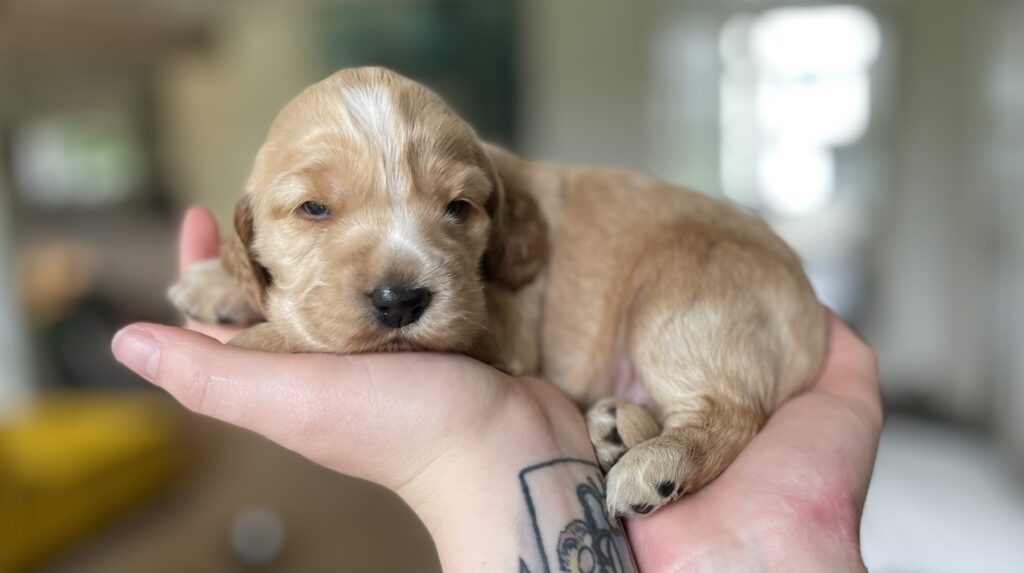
(375, 220)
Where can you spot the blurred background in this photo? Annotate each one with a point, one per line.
(882, 138)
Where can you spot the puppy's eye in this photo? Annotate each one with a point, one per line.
(314, 209)
(457, 209)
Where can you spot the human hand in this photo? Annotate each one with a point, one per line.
(792, 500)
(450, 435)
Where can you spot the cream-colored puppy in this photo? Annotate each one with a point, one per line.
(375, 220)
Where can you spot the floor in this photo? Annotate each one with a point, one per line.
(942, 500)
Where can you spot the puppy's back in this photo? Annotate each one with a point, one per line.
(629, 248)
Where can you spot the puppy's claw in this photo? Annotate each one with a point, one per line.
(642, 508)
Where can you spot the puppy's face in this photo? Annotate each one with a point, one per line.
(370, 209)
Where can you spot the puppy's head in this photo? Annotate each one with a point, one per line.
(374, 220)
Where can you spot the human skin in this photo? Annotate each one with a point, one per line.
(453, 437)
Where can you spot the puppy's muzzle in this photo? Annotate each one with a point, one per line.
(396, 306)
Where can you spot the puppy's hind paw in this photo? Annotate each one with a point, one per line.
(646, 478)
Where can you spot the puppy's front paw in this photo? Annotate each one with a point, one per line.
(615, 426)
(207, 293)
(647, 477)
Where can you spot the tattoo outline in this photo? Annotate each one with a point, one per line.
(593, 543)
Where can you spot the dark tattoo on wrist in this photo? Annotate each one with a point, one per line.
(589, 541)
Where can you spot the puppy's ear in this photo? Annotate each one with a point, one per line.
(239, 259)
(518, 246)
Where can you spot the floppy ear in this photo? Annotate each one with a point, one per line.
(239, 259)
(517, 249)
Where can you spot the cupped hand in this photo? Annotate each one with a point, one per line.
(792, 500)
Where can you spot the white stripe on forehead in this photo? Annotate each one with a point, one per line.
(376, 122)
(404, 235)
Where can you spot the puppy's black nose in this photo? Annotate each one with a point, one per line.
(397, 306)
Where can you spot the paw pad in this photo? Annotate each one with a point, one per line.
(666, 488)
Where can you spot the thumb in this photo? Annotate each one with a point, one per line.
(198, 239)
(335, 410)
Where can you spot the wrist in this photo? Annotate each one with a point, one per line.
(513, 491)
(523, 432)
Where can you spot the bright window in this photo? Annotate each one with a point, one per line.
(795, 86)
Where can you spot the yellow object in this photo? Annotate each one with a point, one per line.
(75, 462)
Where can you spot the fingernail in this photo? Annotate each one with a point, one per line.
(137, 349)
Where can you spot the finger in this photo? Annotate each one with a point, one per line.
(851, 370)
(199, 238)
(255, 390)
